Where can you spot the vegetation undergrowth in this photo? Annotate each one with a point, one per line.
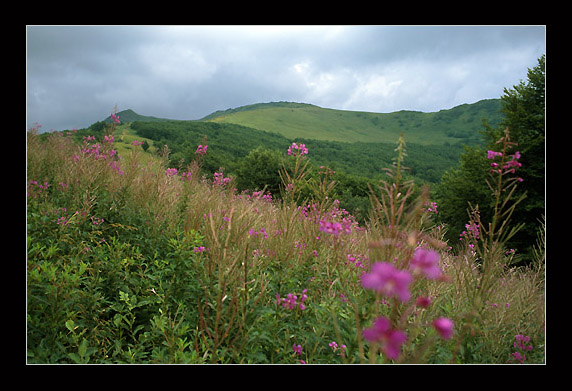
(132, 261)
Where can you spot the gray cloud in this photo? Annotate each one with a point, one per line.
(75, 75)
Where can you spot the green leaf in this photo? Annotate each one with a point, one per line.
(75, 358)
(83, 348)
(70, 325)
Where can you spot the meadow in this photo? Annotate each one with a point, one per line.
(131, 260)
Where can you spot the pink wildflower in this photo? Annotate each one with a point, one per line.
(493, 154)
(201, 150)
(294, 149)
(115, 118)
(330, 228)
(171, 172)
(444, 327)
(297, 349)
(391, 340)
(517, 356)
(219, 179)
(423, 302)
(290, 301)
(386, 279)
(116, 166)
(426, 262)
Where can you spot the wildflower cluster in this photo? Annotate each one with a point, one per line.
(472, 231)
(201, 150)
(262, 232)
(219, 179)
(357, 260)
(333, 222)
(35, 189)
(522, 346)
(431, 207)
(390, 281)
(260, 195)
(507, 166)
(290, 301)
(115, 118)
(98, 151)
(171, 172)
(297, 150)
(390, 339)
(330, 228)
(341, 350)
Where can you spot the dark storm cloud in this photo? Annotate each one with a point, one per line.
(75, 75)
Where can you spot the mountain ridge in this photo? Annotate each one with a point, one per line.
(304, 120)
(295, 120)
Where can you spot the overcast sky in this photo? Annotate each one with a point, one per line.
(76, 75)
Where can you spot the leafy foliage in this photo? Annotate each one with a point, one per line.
(523, 108)
(129, 261)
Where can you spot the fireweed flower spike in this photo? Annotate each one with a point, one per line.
(171, 172)
(296, 149)
(201, 150)
(444, 327)
(391, 340)
(426, 262)
(389, 281)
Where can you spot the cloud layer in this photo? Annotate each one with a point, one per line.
(75, 75)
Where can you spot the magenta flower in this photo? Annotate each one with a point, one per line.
(171, 171)
(493, 154)
(391, 340)
(297, 349)
(201, 150)
(115, 118)
(444, 327)
(426, 262)
(386, 279)
(330, 228)
(290, 301)
(219, 179)
(296, 149)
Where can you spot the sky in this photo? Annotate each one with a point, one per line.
(76, 75)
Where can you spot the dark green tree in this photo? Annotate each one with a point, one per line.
(524, 112)
(259, 169)
(523, 107)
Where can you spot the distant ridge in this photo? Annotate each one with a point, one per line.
(256, 106)
(458, 125)
(301, 120)
(131, 116)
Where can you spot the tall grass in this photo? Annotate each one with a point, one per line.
(130, 261)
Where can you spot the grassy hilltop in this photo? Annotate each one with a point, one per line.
(297, 120)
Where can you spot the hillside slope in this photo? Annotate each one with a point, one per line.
(297, 120)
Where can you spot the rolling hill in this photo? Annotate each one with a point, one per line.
(299, 120)
(359, 143)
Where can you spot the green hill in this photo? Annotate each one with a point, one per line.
(359, 143)
(299, 120)
(131, 116)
